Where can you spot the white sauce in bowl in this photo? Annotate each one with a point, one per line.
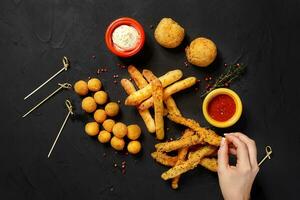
(125, 38)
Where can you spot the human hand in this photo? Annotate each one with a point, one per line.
(236, 181)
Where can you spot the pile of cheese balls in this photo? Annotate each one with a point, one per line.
(101, 116)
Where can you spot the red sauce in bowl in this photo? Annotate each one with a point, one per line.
(221, 108)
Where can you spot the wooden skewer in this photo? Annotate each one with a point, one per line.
(66, 64)
(268, 153)
(61, 86)
(70, 109)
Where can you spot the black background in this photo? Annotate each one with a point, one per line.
(34, 35)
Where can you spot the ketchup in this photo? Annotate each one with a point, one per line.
(221, 108)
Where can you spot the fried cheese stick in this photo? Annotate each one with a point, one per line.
(170, 161)
(170, 90)
(137, 97)
(169, 102)
(181, 157)
(206, 135)
(145, 114)
(190, 163)
(157, 93)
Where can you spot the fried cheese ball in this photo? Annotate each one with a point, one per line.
(134, 132)
(108, 125)
(104, 136)
(94, 84)
(201, 52)
(112, 109)
(117, 143)
(134, 147)
(120, 130)
(88, 104)
(81, 88)
(92, 128)
(100, 115)
(169, 33)
(100, 97)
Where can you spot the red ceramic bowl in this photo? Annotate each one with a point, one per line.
(124, 21)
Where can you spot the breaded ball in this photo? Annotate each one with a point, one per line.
(134, 147)
(92, 128)
(112, 109)
(94, 84)
(169, 33)
(81, 88)
(108, 125)
(104, 136)
(117, 143)
(100, 97)
(88, 104)
(134, 132)
(119, 130)
(201, 52)
(100, 116)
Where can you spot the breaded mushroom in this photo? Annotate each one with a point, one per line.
(201, 52)
(169, 33)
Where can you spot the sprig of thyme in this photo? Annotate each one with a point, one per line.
(232, 72)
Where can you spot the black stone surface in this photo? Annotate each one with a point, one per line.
(34, 35)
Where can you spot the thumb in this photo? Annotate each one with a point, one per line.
(223, 155)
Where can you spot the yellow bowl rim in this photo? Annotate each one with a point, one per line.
(234, 118)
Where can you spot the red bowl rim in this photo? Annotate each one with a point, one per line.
(117, 23)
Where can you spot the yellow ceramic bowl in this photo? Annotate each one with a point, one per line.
(238, 109)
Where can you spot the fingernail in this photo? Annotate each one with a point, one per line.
(222, 141)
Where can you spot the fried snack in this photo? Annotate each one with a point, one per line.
(210, 164)
(180, 143)
(164, 159)
(101, 97)
(137, 97)
(169, 33)
(158, 108)
(206, 135)
(137, 77)
(149, 76)
(172, 89)
(117, 143)
(94, 84)
(100, 116)
(189, 164)
(92, 128)
(171, 106)
(201, 52)
(170, 102)
(134, 147)
(134, 132)
(104, 136)
(88, 104)
(181, 157)
(170, 161)
(112, 109)
(81, 88)
(145, 114)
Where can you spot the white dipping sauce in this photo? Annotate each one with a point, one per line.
(125, 38)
